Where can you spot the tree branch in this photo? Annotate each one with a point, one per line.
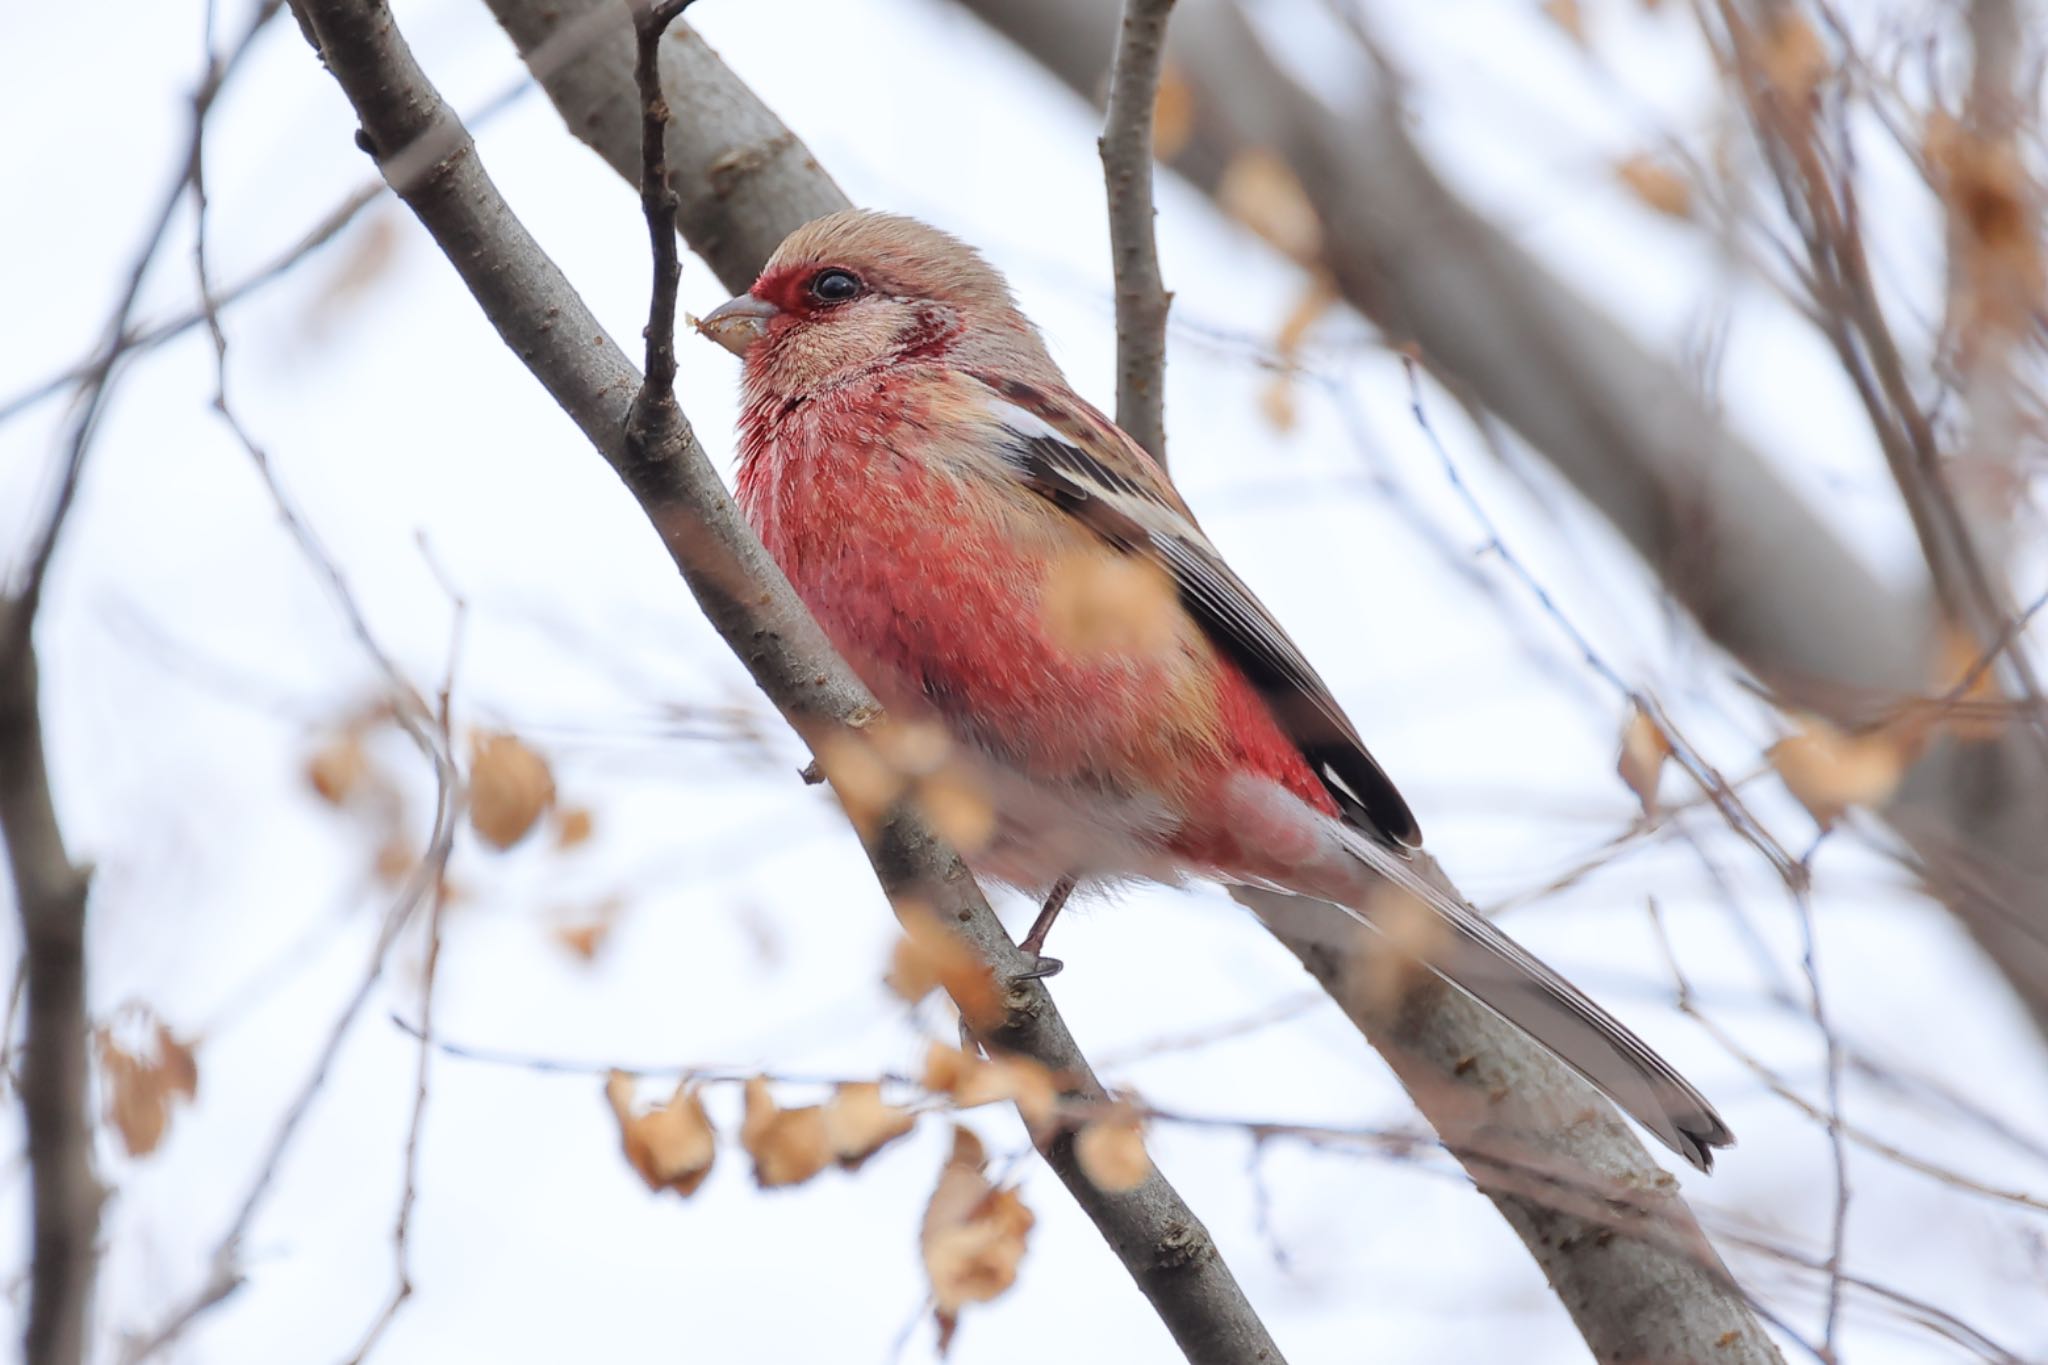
(1562, 1167)
(1591, 1268)
(49, 892)
(1141, 297)
(539, 315)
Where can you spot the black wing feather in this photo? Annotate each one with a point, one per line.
(1066, 475)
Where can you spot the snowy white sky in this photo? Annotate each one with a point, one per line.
(193, 660)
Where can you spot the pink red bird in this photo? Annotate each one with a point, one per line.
(939, 495)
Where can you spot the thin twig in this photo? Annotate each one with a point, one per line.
(410, 712)
(50, 890)
(115, 343)
(1141, 297)
(325, 230)
(401, 1236)
(1822, 203)
(1838, 1222)
(1710, 782)
(1688, 1004)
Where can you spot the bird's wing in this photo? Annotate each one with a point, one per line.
(1075, 458)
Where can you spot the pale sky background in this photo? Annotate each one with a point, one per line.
(193, 661)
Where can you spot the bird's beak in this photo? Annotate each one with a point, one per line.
(738, 323)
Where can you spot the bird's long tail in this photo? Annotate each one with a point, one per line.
(1464, 949)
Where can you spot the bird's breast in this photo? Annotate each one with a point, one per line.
(953, 588)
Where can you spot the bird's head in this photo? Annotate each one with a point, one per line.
(857, 292)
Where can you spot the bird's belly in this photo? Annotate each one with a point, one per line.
(945, 598)
(1044, 832)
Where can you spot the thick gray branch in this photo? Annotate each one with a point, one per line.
(541, 318)
(1607, 1225)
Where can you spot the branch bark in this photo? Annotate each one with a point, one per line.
(541, 318)
(1603, 1221)
(1607, 1282)
(1765, 577)
(1141, 297)
(49, 892)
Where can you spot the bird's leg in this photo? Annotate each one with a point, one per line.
(1034, 940)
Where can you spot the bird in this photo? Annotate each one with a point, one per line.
(956, 518)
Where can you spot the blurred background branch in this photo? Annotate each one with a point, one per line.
(1765, 577)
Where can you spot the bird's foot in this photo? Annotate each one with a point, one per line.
(1041, 968)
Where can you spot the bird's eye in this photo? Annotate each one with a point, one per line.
(834, 286)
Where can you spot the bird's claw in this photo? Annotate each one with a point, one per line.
(1041, 968)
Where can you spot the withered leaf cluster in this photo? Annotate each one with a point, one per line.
(142, 1086)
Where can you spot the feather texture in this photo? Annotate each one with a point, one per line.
(916, 463)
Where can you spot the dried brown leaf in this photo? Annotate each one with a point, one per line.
(336, 769)
(1390, 959)
(1111, 1150)
(914, 748)
(971, 1081)
(510, 787)
(1260, 190)
(1793, 56)
(858, 1123)
(1173, 112)
(366, 258)
(1644, 747)
(1276, 400)
(974, 1234)
(928, 956)
(672, 1147)
(1567, 16)
(956, 803)
(573, 826)
(1996, 279)
(1979, 712)
(788, 1146)
(140, 1087)
(863, 779)
(584, 932)
(1829, 770)
(176, 1063)
(1097, 601)
(1656, 185)
(396, 858)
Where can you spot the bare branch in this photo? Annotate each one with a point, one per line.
(50, 894)
(431, 733)
(748, 601)
(1141, 297)
(50, 890)
(1553, 1156)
